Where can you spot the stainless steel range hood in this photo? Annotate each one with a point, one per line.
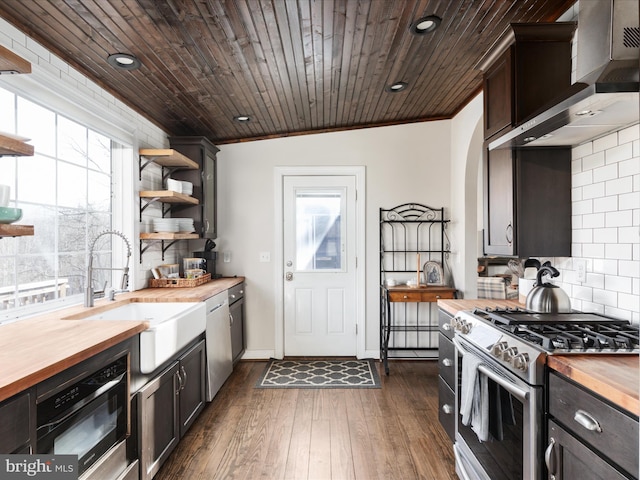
(605, 98)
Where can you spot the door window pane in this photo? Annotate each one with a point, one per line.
(319, 230)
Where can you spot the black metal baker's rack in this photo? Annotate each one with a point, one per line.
(410, 330)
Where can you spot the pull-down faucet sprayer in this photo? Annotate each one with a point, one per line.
(88, 292)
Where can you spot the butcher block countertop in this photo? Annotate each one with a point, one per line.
(614, 377)
(37, 348)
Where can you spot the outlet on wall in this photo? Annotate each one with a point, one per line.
(226, 257)
(581, 270)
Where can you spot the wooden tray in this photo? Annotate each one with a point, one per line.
(179, 282)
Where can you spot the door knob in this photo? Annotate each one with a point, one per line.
(289, 263)
(288, 276)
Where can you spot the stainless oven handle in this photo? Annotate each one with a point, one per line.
(461, 470)
(105, 388)
(507, 385)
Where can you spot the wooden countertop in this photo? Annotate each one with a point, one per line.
(614, 377)
(37, 348)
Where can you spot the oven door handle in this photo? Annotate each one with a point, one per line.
(513, 389)
(103, 389)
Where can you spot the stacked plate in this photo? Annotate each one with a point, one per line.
(185, 225)
(169, 225)
(180, 186)
(187, 188)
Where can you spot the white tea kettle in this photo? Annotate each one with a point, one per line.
(546, 297)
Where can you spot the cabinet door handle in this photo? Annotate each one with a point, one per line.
(446, 326)
(508, 233)
(587, 421)
(230, 319)
(447, 409)
(447, 362)
(550, 459)
(184, 376)
(179, 382)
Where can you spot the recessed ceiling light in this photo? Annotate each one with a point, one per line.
(396, 87)
(124, 61)
(242, 118)
(425, 25)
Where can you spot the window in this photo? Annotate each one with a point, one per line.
(64, 190)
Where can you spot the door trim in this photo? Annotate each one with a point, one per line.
(359, 172)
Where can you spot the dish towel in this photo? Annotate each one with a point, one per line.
(474, 397)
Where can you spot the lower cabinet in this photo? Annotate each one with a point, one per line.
(17, 428)
(588, 438)
(167, 406)
(236, 315)
(446, 376)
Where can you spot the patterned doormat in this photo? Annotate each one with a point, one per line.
(319, 374)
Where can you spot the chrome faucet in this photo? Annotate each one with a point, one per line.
(88, 292)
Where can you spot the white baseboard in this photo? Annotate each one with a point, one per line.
(258, 354)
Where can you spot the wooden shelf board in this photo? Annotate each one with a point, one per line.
(10, 230)
(169, 236)
(169, 196)
(10, 62)
(11, 146)
(168, 157)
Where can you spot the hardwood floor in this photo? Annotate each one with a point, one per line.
(318, 434)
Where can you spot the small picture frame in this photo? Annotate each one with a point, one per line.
(433, 274)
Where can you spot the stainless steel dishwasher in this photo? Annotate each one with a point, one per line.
(218, 338)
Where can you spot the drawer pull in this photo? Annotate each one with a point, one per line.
(587, 421)
(446, 326)
(447, 362)
(405, 296)
(550, 459)
(437, 296)
(447, 409)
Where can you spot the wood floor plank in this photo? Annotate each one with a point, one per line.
(318, 434)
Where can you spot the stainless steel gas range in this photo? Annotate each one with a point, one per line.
(500, 362)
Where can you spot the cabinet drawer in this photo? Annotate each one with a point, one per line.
(446, 408)
(14, 429)
(444, 323)
(446, 365)
(617, 434)
(423, 296)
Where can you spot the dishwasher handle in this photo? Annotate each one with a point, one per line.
(214, 308)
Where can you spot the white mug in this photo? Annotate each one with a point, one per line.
(5, 191)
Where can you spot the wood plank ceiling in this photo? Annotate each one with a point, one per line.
(293, 66)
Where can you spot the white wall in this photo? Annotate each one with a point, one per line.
(407, 163)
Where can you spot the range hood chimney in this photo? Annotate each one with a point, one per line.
(605, 97)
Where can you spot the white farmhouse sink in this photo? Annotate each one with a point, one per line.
(172, 326)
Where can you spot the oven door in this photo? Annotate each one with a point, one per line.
(90, 431)
(516, 421)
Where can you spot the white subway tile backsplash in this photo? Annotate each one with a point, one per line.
(576, 250)
(628, 301)
(605, 204)
(622, 218)
(576, 166)
(584, 235)
(595, 190)
(622, 251)
(629, 201)
(576, 221)
(606, 142)
(582, 151)
(636, 286)
(581, 179)
(595, 280)
(605, 297)
(592, 161)
(593, 220)
(617, 284)
(619, 153)
(619, 185)
(582, 293)
(629, 167)
(629, 268)
(604, 235)
(593, 250)
(636, 252)
(590, 307)
(629, 134)
(576, 194)
(628, 234)
(582, 207)
(604, 266)
(636, 148)
(608, 172)
(618, 313)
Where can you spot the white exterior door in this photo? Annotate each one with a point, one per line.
(319, 242)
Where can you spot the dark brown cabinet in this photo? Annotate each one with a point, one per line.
(588, 438)
(236, 319)
(527, 202)
(205, 215)
(528, 68)
(446, 375)
(167, 406)
(17, 428)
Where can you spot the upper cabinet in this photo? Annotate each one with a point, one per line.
(524, 72)
(203, 152)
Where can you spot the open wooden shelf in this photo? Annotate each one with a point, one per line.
(11, 146)
(168, 157)
(169, 196)
(10, 230)
(12, 63)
